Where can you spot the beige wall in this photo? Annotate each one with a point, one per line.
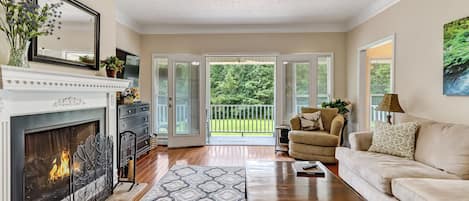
(127, 39)
(244, 43)
(418, 25)
(108, 38)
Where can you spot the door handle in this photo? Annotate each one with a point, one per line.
(169, 105)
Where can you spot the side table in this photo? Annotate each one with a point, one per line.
(281, 141)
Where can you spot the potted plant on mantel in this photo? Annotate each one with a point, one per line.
(23, 21)
(113, 65)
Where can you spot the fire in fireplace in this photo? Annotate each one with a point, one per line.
(62, 169)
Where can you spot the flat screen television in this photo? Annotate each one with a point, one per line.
(131, 69)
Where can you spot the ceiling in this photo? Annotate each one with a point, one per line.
(207, 16)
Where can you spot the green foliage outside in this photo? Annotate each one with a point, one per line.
(242, 84)
(456, 47)
(380, 75)
(253, 84)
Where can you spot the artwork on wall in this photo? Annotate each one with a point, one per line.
(456, 58)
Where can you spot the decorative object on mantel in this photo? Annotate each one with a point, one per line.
(390, 103)
(23, 21)
(456, 58)
(113, 65)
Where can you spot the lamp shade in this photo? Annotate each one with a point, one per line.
(390, 103)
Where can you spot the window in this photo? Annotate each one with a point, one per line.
(324, 88)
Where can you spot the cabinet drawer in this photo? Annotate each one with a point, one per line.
(133, 122)
(127, 111)
(144, 108)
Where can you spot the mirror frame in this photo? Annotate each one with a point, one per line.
(34, 56)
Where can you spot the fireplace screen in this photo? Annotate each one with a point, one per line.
(67, 163)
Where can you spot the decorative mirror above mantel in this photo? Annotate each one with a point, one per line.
(75, 40)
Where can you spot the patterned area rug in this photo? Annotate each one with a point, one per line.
(190, 183)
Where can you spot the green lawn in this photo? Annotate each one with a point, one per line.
(239, 127)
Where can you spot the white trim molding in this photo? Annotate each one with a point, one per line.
(16, 78)
(371, 11)
(25, 91)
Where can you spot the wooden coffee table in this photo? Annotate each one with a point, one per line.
(276, 180)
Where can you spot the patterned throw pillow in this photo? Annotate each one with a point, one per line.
(396, 140)
(311, 121)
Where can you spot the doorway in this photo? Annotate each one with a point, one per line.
(241, 100)
(376, 73)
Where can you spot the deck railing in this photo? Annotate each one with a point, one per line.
(376, 115)
(242, 120)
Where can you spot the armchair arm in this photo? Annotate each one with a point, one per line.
(361, 141)
(295, 123)
(337, 126)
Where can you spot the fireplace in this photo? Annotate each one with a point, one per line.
(61, 156)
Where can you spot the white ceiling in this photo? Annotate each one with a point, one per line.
(207, 16)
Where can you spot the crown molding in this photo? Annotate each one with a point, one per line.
(371, 11)
(240, 28)
(123, 19)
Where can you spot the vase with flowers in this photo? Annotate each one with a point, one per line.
(24, 20)
(113, 65)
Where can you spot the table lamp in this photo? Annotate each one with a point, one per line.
(390, 103)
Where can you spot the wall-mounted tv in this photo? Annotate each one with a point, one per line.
(131, 67)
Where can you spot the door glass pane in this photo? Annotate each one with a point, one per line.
(186, 98)
(161, 119)
(380, 84)
(297, 83)
(323, 88)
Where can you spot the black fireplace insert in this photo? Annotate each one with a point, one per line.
(61, 156)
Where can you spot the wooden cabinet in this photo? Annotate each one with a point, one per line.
(135, 118)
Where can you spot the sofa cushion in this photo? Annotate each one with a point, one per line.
(397, 140)
(442, 145)
(319, 138)
(379, 169)
(408, 189)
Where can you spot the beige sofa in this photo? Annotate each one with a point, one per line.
(439, 172)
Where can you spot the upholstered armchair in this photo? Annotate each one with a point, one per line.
(316, 145)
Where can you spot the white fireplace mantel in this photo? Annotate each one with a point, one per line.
(25, 91)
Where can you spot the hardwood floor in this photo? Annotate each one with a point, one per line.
(153, 166)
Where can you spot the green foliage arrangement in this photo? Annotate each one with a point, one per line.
(25, 20)
(339, 104)
(113, 63)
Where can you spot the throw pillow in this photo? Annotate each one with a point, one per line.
(396, 140)
(311, 121)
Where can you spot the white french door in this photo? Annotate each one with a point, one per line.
(179, 99)
(302, 80)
